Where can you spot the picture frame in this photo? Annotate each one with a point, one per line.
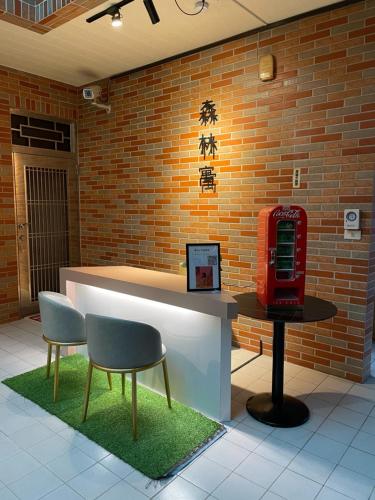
(203, 267)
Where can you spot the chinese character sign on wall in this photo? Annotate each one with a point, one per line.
(207, 146)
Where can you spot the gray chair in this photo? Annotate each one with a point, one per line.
(62, 325)
(120, 346)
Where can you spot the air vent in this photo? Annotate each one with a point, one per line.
(40, 133)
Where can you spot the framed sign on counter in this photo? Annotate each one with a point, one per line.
(203, 266)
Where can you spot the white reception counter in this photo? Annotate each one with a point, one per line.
(195, 327)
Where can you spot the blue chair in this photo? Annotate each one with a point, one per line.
(120, 346)
(62, 325)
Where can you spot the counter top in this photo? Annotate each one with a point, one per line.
(153, 285)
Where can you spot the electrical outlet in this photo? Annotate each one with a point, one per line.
(296, 177)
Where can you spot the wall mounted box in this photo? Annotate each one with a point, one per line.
(281, 266)
(266, 68)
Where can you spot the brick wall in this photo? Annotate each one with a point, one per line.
(39, 95)
(140, 199)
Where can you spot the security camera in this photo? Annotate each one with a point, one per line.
(92, 93)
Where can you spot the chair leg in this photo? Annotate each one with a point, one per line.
(49, 356)
(109, 377)
(166, 381)
(123, 384)
(56, 379)
(87, 392)
(134, 404)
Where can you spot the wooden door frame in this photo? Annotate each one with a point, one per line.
(21, 156)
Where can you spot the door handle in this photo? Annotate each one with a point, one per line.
(21, 237)
(22, 225)
(272, 257)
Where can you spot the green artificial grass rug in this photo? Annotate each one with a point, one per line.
(166, 437)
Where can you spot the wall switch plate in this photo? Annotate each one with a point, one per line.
(351, 234)
(296, 177)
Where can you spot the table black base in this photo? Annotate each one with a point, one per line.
(290, 413)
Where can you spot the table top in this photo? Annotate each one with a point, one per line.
(314, 309)
(157, 286)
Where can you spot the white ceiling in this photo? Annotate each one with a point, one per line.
(79, 53)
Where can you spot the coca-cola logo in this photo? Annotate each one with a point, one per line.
(287, 213)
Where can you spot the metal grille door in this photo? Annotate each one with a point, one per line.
(48, 228)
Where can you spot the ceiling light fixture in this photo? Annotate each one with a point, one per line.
(150, 7)
(117, 19)
(114, 12)
(200, 4)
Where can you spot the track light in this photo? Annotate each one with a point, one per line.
(150, 7)
(114, 12)
(117, 19)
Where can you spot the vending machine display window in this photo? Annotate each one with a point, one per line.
(285, 250)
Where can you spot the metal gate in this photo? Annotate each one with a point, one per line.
(48, 232)
(47, 223)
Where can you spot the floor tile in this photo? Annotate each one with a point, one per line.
(180, 489)
(255, 424)
(325, 448)
(54, 423)
(29, 436)
(359, 461)
(347, 417)
(350, 483)
(205, 474)
(297, 387)
(226, 453)
(93, 482)
(357, 404)
(117, 466)
(49, 449)
(292, 486)
(297, 436)
(88, 447)
(14, 419)
(239, 488)
(316, 468)
(259, 470)
(145, 485)
(8, 447)
(329, 395)
(318, 405)
(17, 466)
(70, 464)
(337, 431)
(314, 421)
(122, 490)
(329, 494)
(277, 451)
(63, 493)
(338, 384)
(369, 425)
(271, 496)
(363, 391)
(6, 494)
(245, 437)
(365, 442)
(35, 485)
(311, 376)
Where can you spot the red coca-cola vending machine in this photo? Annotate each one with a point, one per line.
(281, 267)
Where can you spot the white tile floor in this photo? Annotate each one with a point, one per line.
(331, 457)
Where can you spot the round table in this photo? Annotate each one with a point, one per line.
(275, 408)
